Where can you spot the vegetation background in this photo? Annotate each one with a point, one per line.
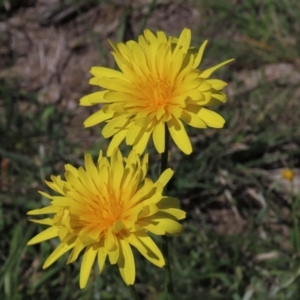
(241, 234)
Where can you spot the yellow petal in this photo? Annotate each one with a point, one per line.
(220, 96)
(216, 83)
(147, 247)
(102, 254)
(199, 55)
(192, 119)
(179, 135)
(175, 212)
(161, 36)
(208, 72)
(114, 126)
(176, 65)
(194, 94)
(152, 227)
(79, 246)
(45, 235)
(187, 73)
(168, 202)
(163, 222)
(183, 41)
(113, 96)
(106, 72)
(45, 210)
(45, 195)
(126, 263)
(160, 60)
(117, 169)
(57, 184)
(139, 66)
(113, 249)
(165, 177)
(86, 265)
(91, 168)
(213, 102)
(112, 84)
(159, 137)
(110, 241)
(125, 51)
(150, 37)
(90, 233)
(46, 221)
(91, 99)
(142, 192)
(148, 209)
(171, 205)
(204, 86)
(62, 201)
(190, 85)
(72, 169)
(145, 165)
(142, 139)
(211, 118)
(57, 253)
(132, 133)
(97, 118)
(171, 227)
(116, 141)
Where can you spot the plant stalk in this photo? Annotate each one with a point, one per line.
(165, 243)
(133, 292)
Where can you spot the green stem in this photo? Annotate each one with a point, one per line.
(165, 245)
(295, 230)
(150, 10)
(165, 154)
(165, 251)
(133, 292)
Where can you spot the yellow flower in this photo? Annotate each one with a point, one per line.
(105, 209)
(288, 174)
(158, 83)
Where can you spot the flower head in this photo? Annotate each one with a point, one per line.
(158, 84)
(288, 174)
(105, 209)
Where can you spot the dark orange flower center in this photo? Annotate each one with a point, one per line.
(157, 91)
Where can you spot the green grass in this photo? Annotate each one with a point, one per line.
(227, 228)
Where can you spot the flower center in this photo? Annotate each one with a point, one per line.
(98, 214)
(107, 210)
(157, 92)
(110, 210)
